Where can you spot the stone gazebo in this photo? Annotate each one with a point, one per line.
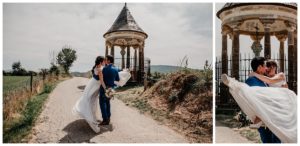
(260, 20)
(126, 34)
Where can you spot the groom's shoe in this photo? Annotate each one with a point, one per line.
(104, 122)
(108, 121)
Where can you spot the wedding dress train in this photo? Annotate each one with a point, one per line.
(87, 106)
(276, 107)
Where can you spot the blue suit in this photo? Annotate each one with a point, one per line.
(265, 134)
(110, 74)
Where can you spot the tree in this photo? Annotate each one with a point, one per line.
(16, 66)
(66, 57)
(54, 69)
(44, 72)
(17, 69)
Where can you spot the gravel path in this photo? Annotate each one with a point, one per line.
(227, 135)
(57, 124)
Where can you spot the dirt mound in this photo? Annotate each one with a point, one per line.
(187, 99)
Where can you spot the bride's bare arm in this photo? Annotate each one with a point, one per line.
(101, 79)
(275, 79)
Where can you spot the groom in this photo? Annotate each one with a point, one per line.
(258, 66)
(110, 74)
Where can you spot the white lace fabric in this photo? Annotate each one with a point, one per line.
(276, 107)
(87, 106)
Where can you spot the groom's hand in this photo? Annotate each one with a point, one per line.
(285, 86)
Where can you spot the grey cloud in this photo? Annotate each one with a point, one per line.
(174, 30)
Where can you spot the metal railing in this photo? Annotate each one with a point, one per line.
(137, 75)
(223, 97)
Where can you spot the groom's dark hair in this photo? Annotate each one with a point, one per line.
(256, 62)
(110, 58)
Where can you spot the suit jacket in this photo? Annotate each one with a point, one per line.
(253, 81)
(110, 74)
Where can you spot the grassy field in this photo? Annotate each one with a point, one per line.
(21, 107)
(16, 130)
(12, 83)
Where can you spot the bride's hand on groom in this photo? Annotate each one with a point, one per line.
(281, 76)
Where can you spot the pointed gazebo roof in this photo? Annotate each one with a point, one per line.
(125, 22)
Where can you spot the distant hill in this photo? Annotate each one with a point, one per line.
(154, 68)
(164, 68)
(81, 74)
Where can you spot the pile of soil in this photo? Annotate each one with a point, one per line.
(186, 100)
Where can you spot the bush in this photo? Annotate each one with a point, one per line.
(208, 73)
(47, 88)
(6, 73)
(54, 69)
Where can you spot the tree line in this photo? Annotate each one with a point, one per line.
(61, 65)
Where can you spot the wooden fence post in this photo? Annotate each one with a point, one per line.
(31, 79)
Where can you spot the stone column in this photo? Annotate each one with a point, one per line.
(128, 58)
(141, 63)
(291, 58)
(135, 63)
(106, 50)
(112, 51)
(224, 92)
(123, 56)
(224, 52)
(295, 61)
(281, 38)
(235, 53)
(267, 45)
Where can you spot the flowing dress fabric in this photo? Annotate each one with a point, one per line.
(276, 107)
(87, 106)
(124, 77)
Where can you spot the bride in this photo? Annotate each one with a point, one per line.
(275, 107)
(273, 79)
(87, 106)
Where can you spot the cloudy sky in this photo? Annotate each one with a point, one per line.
(32, 31)
(245, 41)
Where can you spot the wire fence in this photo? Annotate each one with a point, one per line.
(15, 84)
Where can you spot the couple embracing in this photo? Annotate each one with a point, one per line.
(266, 100)
(99, 91)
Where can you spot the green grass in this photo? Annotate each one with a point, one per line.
(15, 83)
(11, 83)
(18, 129)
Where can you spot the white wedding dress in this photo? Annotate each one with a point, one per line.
(276, 107)
(87, 106)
